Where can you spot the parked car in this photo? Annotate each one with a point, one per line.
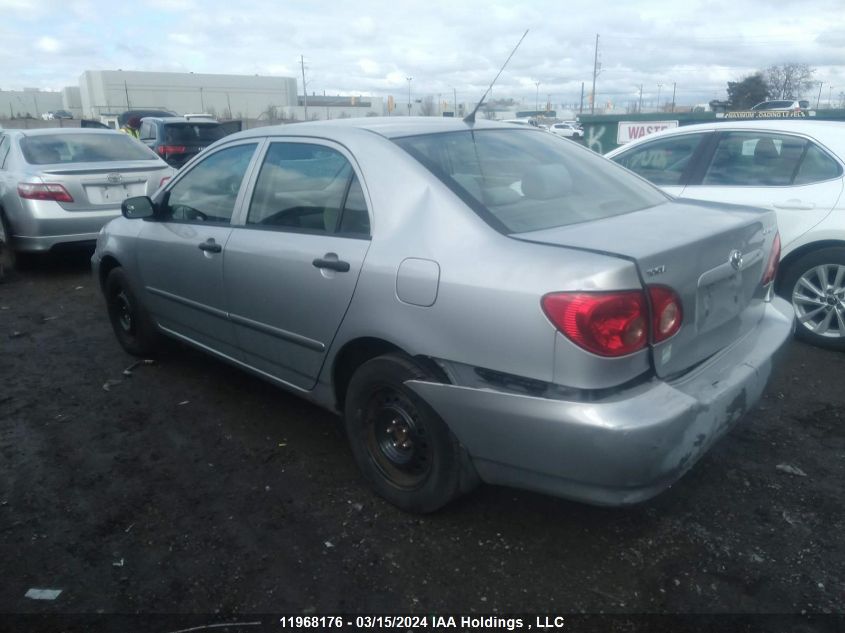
(178, 139)
(782, 105)
(60, 186)
(567, 130)
(792, 167)
(56, 114)
(479, 301)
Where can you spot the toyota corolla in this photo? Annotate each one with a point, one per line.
(480, 302)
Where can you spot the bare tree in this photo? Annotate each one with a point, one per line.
(789, 80)
(428, 107)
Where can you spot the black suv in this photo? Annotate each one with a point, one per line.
(177, 139)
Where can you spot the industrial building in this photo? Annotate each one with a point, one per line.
(108, 92)
(29, 102)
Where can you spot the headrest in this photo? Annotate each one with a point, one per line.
(546, 181)
(765, 148)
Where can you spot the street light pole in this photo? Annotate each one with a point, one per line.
(537, 99)
(819, 98)
(674, 84)
(659, 86)
(409, 94)
(595, 73)
(455, 102)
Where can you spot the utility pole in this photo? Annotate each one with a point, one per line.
(409, 94)
(229, 104)
(304, 88)
(202, 102)
(537, 98)
(640, 104)
(595, 74)
(455, 93)
(548, 102)
(581, 105)
(819, 98)
(829, 90)
(674, 84)
(126, 89)
(659, 86)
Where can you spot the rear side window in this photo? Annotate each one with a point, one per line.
(192, 133)
(147, 131)
(310, 188)
(662, 162)
(49, 149)
(816, 167)
(524, 180)
(754, 159)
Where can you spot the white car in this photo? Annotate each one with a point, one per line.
(567, 130)
(784, 105)
(795, 167)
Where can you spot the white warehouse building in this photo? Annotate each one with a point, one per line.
(107, 92)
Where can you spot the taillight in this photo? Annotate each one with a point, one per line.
(666, 313)
(774, 260)
(163, 150)
(615, 323)
(43, 191)
(605, 323)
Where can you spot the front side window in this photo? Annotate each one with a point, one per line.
(522, 180)
(209, 191)
(311, 188)
(754, 159)
(662, 162)
(48, 149)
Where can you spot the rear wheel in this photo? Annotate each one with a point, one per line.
(7, 255)
(132, 326)
(403, 448)
(815, 284)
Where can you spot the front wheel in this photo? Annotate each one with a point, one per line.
(815, 284)
(132, 327)
(403, 448)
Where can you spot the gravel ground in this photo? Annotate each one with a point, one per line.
(189, 486)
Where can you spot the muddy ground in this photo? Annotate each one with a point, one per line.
(190, 486)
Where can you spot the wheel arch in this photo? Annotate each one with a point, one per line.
(356, 352)
(107, 264)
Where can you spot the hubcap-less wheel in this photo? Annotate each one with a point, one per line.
(123, 311)
(396, 438)
(819, 300)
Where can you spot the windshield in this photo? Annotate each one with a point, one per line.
(193, 133)
(521, 180)
(49, 149)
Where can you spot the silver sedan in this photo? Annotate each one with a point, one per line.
(480, 302)
(60, 186)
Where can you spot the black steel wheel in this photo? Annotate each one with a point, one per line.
(403, 448)
(132, 327)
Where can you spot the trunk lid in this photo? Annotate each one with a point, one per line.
(102, 185)
(712, 255)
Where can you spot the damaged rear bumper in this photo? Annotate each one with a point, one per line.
(623, 449)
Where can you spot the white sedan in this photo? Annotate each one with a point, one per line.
(793, 167)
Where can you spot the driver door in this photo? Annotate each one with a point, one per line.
(181, 251)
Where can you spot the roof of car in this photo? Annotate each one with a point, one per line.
(389, 127)
(177, 119)
(818, 129)
(64, 130)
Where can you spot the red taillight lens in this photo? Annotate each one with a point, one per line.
(43, 191)
(163, 150)
(774, 260)
(666, 313)
(606, 323)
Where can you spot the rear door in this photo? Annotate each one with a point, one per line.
(180, 253)
(787, 173)
(293, 264)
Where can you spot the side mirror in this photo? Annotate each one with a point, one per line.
(137, 207)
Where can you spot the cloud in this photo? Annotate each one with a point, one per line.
(48, 45)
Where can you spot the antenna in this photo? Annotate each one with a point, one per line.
(470, 118)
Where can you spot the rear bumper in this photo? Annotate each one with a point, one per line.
(623, 449)
(44, 224)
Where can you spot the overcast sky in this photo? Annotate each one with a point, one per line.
(371, 46)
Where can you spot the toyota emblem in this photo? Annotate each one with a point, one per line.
(114, 179)
(735, 258)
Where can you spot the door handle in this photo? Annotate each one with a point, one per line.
(794, 203)
(332, 263)
(210, 246)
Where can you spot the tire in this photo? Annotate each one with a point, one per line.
(132, 326)
(403, 448)
(7, 255)
(815, 285)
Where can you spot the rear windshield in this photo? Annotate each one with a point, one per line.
(192, 133)
(48, 149)
(522, 180)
